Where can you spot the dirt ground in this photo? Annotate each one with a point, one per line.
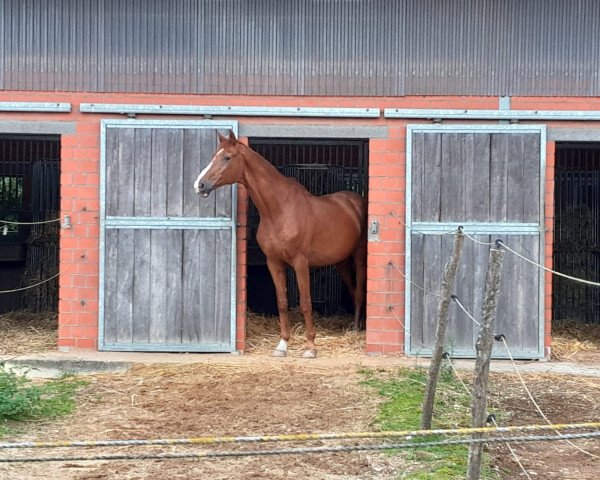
(278, 396)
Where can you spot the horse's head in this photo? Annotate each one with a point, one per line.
(225, 168)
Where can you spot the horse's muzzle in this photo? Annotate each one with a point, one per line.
(203, 189)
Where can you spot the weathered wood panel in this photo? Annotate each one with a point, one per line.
(498, 177)
(164, 286)
(111, 281)
(490, 178)
(141, 287)
(429, 186)
(519, 320)
(173, 289)
(476, 177)
(518, 305)
(143, 172)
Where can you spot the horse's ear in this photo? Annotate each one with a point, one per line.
(232, 138)
(222, 139)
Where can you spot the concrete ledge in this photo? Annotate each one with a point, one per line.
(56, 368)
(46, 128)
(55, 364)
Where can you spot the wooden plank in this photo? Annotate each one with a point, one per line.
(222, 283)
(531, 335)
(159, 166)
(173, 300)
(518, 314)
(417, 176)
(432, 278)
(515, 186)
(460, 331)
(531, 177)
(477, 177)
(174, 178)
(207, 145)
(527, 327)
(142, 184)
(432, 168)
(451, 207)
(112, 171)
(125, 182)
(498, 177)
(207, 267)
(142, 287)
(417, 296)
(508, 310)
(193, 159)
(111, 242)
(191, 298)
(124, 289)
(159, 287)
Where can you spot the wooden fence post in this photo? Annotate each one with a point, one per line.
(442, 327)
(484, 353)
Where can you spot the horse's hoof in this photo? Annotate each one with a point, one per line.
(279, 353)
(312, 353)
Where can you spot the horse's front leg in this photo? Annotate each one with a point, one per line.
(303, 279)
(277, 270)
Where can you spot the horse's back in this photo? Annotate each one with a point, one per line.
(352, 204)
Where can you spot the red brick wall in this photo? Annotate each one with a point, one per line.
(78, 306)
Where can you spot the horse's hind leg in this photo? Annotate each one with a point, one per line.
(360, 292)
(303, 279)
(345, 270)
(277, 270)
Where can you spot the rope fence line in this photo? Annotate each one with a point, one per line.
(564, 275)
(513, 452)
(502, 338)
(391, 308)
(41, 222)
(410, 280)
(457, 301)
(401, 222)
(537, 407)
(306, 450)
(473, 239)
(20, 289)
(532, 262)
(301, 437)
(468, 390)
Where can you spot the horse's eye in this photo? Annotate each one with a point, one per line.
(226, 158)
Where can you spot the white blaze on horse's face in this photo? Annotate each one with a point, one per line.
(199, 184)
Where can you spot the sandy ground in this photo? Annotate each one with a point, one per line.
(254, 394)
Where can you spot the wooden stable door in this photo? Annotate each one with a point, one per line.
(167, 256)
(488, 179)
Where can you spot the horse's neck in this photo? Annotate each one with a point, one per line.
(265, 185)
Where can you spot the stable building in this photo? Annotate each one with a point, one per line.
(442, 114)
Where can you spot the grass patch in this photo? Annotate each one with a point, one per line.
(23, 400)
(404, 390)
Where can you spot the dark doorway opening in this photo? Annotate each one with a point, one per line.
(577, 232)
(323, 166)
(29, 193)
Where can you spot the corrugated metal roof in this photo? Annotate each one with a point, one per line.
(302, 47)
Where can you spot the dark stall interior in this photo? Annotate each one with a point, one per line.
(29, 193)
(577, 232)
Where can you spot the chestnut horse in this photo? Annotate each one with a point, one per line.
(296, 228)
